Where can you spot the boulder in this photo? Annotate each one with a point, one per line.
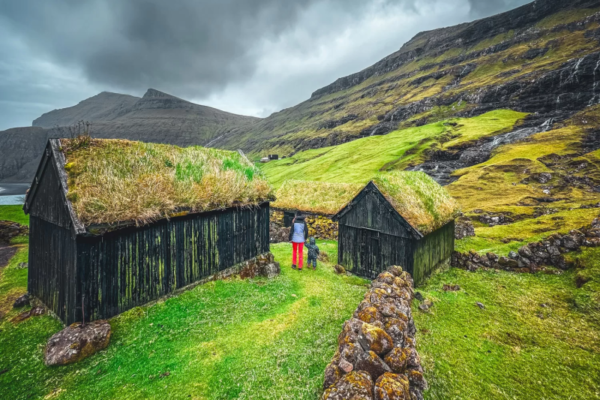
(332, 375)
(22, 301)
(77, 342)
(369, 315)
(513, 255)
(397, 359)
(570, 242)
(463, 228)
(392, 387)
(371, 363)
(375, 339)
(396, 328)
(357, 385)
(270, 270)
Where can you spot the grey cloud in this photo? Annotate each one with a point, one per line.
(67, 50)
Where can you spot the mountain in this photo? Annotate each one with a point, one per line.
(541, 58)
(504, 111)
(156, 117)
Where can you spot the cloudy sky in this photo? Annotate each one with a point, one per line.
(250, 57)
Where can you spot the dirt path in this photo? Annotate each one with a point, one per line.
(6, 253)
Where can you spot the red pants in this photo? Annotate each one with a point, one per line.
(298, 248)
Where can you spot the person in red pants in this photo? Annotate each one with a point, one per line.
(298, 235)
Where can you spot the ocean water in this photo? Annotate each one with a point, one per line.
(13, 193)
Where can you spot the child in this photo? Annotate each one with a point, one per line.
(298, 235)
(313, 253)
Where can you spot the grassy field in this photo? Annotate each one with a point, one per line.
(254, 339)
(360, 160)
(14, 213)
(537, 338)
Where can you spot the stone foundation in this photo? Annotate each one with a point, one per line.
(376, 356)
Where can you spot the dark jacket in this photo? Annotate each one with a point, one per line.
(313, 249)
(297, 221)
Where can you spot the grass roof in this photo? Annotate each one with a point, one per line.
(425, 204)
(114, 181)
(315, 197)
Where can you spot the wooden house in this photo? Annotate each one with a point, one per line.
(318, 201)
(115, 224)
(399, 218)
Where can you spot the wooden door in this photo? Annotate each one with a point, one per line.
(370, 253)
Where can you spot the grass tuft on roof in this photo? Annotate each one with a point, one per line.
(114, 181)
(315, 197)
(425, 204)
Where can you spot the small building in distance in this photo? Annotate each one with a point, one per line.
(399, 218)
(319, 201)
(115, 224)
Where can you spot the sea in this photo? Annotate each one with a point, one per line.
(13, 193)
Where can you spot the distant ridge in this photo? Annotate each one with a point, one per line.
(155, 117)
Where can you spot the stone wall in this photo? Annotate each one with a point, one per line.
(376, 356)
(319, 226)
(534, 257)
(9, 230)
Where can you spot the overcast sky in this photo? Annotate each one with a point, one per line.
(250, 57)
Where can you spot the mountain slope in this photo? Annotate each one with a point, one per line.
(540, 58)
(156, 117)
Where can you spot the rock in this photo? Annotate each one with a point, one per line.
(339, 269)
(357, 385)
(397, 359)
(392, 387)
(345, 366)
(570, 242)
(22, 265)
(375, 339)
(332, 374)
(451, 288)
(372, 364)
(77, 342)
(396, 328)
(472, 266)
(544, 178)
(395, 270)
(21, 301)
(270, 270)
(369, 315)
(478, 304)
(559, 262)
(416, 379)
(513, 255)
(34, 312)
(419, 296)
(492, 257)
(463, 228)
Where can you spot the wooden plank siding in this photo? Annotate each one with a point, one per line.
(52, 271)
(130, 267)
(432, 251)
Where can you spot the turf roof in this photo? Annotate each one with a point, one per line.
(315, 197)
(113, 181)
(419, 199)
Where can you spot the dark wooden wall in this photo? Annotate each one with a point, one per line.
(431, 251)
(367, 253)
(131, 267)
(52, 272)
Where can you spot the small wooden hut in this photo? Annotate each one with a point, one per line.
(115, 224)
(399, 218)
(319, 201)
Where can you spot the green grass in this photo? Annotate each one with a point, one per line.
(515, 348)
(14, 213)
(360, 160)
(267, 339)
